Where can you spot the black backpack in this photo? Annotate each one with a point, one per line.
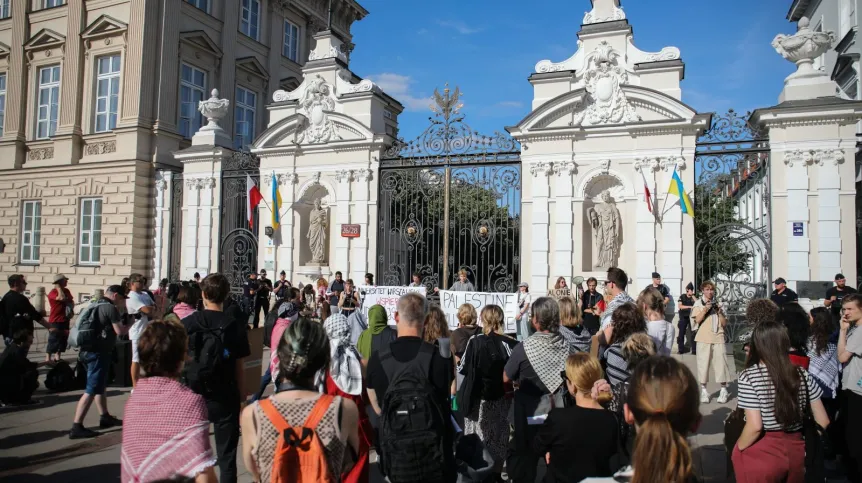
(88, 332)
(60, 378)
(492, 361)
(413, 423)
(206, 372)
(381, 341)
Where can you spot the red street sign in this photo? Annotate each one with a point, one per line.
(350, 231)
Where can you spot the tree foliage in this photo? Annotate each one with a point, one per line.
(720, 252)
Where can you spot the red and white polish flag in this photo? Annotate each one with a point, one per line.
(647, 194)
(252, 200)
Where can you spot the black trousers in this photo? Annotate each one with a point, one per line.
(852, 409)
(684, 325)
(521, 459)
(255, 307)
(225, 419)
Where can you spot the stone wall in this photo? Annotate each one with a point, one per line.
(126, 236)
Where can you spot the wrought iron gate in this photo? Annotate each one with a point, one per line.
(176, 229)
(238, 246)
(450, 200)
(733, 218)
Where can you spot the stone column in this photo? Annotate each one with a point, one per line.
(209, 227)
(227, 78)
(798, 247)
(276, 44)
(828, 213)
(162, 223)
(646, 237)
(140, 63)
(671, 223)
(72, 73)
(166, 116)
(342, 215)
(539, 257)
(287, 186)
(563, 218)
(359, 256)
(191, 232)
(16, 88)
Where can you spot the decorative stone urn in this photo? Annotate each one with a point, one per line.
(214, 109)
(802, 48)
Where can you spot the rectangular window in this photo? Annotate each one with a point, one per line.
(31, 231)
(2, 101)
(52, 3)
(48, 101)
(291, 41)
(90, 242)
(201, 4)
(192, 91)
(246, 101)
(5, 9)
(107, 92)
(249, 21)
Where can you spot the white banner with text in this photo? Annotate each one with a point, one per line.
(385, 296)
(451, 301)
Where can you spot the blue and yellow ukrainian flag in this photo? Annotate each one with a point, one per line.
(677, 189)
(276, 204)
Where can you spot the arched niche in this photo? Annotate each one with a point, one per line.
(302, 207)
(592, 193)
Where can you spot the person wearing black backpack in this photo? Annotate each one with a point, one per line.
(218, 342)
(408, 387)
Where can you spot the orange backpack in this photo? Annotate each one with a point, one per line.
(299, 455)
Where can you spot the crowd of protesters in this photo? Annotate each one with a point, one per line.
(586, 386)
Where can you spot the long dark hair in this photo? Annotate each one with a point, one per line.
(796, 320)
(769, 346)
(821, 328)
(627, 319)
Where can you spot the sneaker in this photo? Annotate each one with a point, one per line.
(704, 396)
(108, 421)
(80, 432)
(723, 396)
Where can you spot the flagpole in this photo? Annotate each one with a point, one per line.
(668, 193)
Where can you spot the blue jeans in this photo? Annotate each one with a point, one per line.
(98, 366)
(264, 381)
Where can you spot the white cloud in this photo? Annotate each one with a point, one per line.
(459, 26)
(510, 104)
(399, 87)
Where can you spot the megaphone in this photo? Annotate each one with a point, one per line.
(577, 280)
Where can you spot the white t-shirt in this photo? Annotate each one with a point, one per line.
(134, 303)
(661, 332)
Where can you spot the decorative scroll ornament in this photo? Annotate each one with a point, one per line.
(103, 147)
(799, 156)
(565, 168)
(603, 80)
(343, 175)
(214, 109)
(40, 154)
(344, 86)
(541, 169)
(830, 157)
(334, 52)
(287, 179)
(802, 48)
(637, 56)
(315, 101)
(362, 174)
(200, 183)
(604, 11)
(669, 163)
(649, 164)
(449, 138)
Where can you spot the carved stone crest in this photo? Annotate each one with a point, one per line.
(317, 99)
(603, 80)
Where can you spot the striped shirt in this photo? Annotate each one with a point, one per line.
(756, 392)
(617, 368)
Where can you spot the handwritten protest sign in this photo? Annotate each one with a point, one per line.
(451, 301)
(558, 293)
(385, 296)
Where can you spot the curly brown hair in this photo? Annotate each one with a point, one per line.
(627, 319)
(436, 326)
(162, 347)
(761, 310)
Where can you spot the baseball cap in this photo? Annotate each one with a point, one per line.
(59, 278)
(840, 276)
(116, 289)
(656, 275)
(779, 280)
(524, 284)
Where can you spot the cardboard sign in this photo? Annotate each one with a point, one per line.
(350, 231)
(385, 296)
(558, 293)
(253, 364)
(451, 301)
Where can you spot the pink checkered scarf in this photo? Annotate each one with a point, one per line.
(165, 432)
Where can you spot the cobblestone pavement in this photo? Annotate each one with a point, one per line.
(34, 445)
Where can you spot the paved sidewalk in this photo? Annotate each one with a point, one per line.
(34, 444)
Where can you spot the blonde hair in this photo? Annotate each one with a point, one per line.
(492, 319)
(663, 397)
(321, 282)
(652, 300)
(583, 370)
(570, 316)
(637, 348)
(467, 315)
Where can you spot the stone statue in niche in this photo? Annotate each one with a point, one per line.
(317, 226)
(607, 228)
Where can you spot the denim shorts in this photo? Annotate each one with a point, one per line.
(98, 366)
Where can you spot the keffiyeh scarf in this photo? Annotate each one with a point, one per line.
(547, 353)
(621, 299)
(345, 367)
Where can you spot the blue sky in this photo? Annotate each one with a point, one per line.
(489, 48)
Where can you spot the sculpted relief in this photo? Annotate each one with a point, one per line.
(607, 227)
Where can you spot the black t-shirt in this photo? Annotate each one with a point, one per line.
(404, 349)
(235, 339)
(460, 336)
(589, 301)
(574, 457)
(784, 297)
(687, 301)
(265, 285)
(14, 303)
(839, 295)
(282, 289)
(663, 289)
(335, 286)
(248, 286)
